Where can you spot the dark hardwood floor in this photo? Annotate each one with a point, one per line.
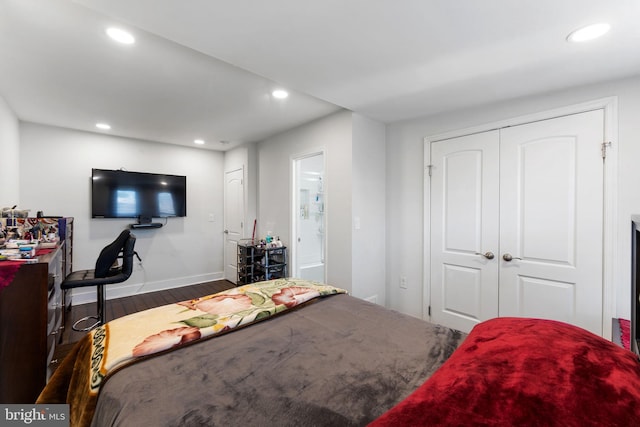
(122, 306)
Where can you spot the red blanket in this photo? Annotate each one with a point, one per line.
(527, 372)
(8, 269)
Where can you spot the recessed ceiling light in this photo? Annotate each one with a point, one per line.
(198, 141)
(589, 32)
(103, 126)
(120, 36)
(280, 94)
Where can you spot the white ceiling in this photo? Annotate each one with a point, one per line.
(205, 68)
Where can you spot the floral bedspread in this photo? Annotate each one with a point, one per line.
(159, 329)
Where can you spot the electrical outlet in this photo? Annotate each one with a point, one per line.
(403, 282)
(372, 298)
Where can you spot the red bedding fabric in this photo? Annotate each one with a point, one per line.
(527, 372)
(8, 269)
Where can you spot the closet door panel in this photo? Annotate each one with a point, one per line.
(548, 299)
(551, 192)
(464, 228)
(546, 179)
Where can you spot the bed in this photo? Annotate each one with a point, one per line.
(313, 356)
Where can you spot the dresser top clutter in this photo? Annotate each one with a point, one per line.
(35, 256)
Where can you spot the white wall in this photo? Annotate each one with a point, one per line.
(405, 182)
(368, 246)
(333, 134)
(9, 155)
(190, 250)
(354, 186)
(55, 172)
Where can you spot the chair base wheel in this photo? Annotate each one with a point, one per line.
(75, 326)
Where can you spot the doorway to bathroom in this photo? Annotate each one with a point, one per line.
(309, 217)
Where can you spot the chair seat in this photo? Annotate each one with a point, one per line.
(83, 278)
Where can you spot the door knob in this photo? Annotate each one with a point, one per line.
(226, 231)
(508, 257)
(487, 255)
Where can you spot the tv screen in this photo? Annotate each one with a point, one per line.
(124, 194)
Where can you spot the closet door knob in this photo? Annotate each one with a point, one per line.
(487, 255)
(508, 257)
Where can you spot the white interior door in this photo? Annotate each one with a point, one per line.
(532, 195)
(464, 231)
(551, 223)
(233, 221)
(309, 218)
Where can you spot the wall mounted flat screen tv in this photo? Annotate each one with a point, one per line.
(124, 194)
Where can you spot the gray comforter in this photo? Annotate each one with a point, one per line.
(338, 361)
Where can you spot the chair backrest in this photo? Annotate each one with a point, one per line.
(109, 254)
(127, 255)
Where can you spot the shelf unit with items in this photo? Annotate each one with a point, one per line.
(246, 264)
(257, 263)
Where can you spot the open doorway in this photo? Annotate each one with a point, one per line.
(309, 217)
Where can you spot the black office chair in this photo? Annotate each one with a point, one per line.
(107, 272)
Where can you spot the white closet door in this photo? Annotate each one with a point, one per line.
(464, 225)
(551, 193)
(533, 196)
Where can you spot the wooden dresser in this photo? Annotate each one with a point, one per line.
(31, 323)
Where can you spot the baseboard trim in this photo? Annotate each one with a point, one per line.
(88, 295)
